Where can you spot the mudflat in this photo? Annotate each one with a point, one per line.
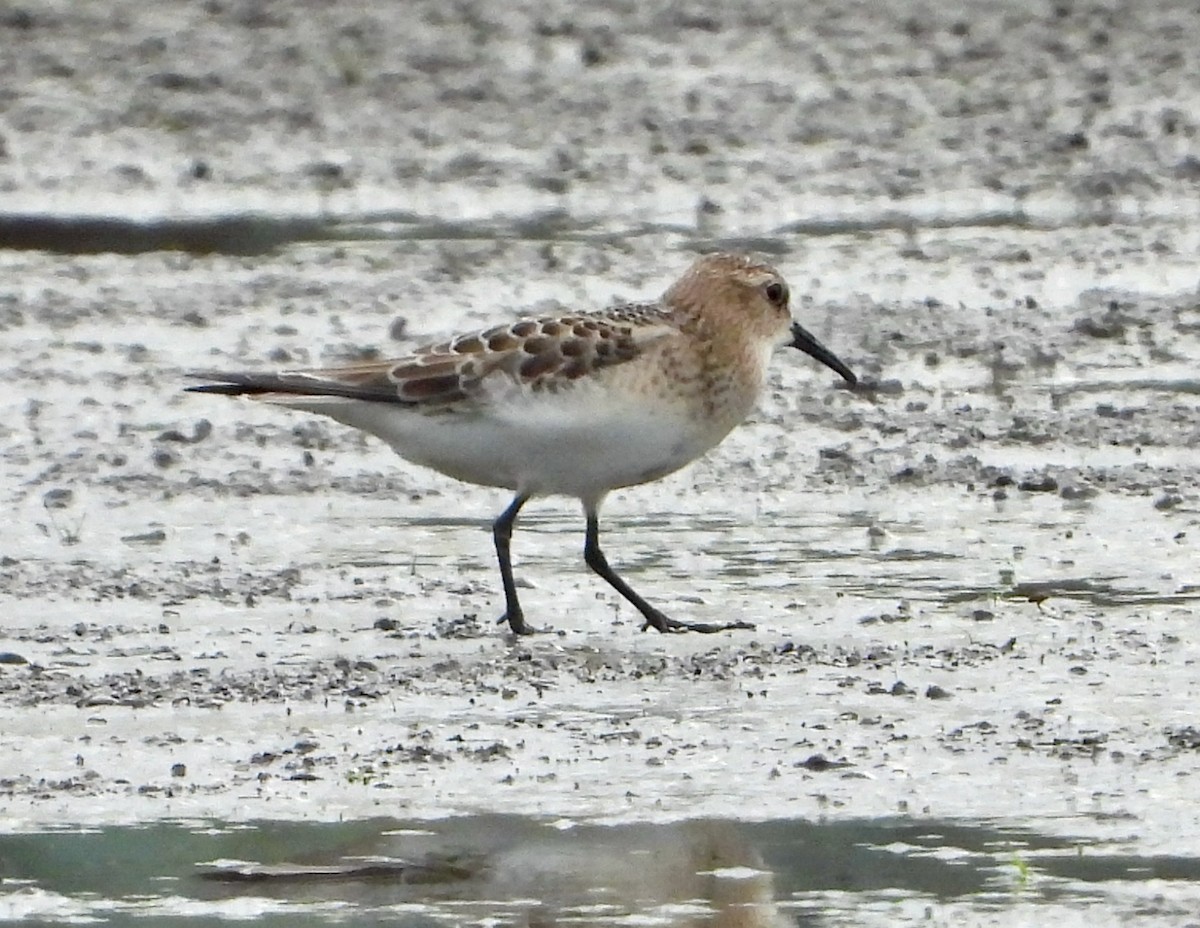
(974, 582)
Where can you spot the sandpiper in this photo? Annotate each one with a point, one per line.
(577, 404)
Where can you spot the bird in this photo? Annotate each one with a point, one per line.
(574, 404)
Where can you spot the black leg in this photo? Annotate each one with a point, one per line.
(502, 530)
(596, 560)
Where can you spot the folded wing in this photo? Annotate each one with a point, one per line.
(544, 354)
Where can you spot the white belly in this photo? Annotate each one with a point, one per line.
(578, 443)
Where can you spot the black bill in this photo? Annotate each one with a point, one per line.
(804, 340)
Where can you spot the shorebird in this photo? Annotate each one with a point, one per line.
(576, 404)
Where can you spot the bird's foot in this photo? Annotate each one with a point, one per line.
(667, 625)
(516, 622)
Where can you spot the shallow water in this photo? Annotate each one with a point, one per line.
(506, 870)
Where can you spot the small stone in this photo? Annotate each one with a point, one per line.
(59, 498)
(155, 537)
(1167, 501)
(163, 458)
(818, 763)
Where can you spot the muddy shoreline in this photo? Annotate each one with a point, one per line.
(974, 584)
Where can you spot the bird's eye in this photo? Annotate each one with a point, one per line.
(776, 293)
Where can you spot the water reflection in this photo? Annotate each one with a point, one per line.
(705, 872)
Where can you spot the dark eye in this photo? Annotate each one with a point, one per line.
(776, 293)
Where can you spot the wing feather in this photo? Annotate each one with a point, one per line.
(546, 353)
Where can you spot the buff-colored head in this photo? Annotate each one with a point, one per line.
(741, 294)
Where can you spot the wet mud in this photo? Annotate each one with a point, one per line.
(974, 579)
